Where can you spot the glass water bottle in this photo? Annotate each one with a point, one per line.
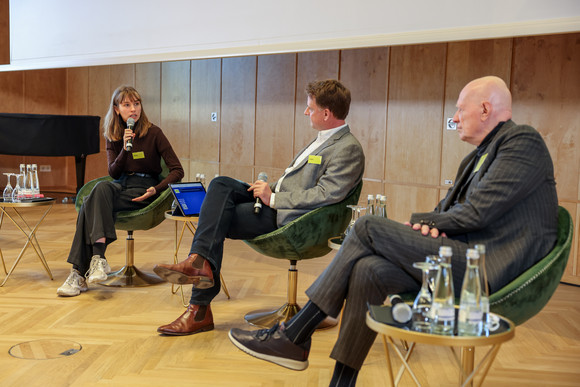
(484, 287)
(469, 321)
(443, 309)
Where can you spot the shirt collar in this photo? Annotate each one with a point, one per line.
(483, 146)
(324, 135)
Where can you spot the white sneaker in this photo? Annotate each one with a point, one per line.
(73, 286)
(98, 270)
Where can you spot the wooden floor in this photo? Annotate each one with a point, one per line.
(116, 327)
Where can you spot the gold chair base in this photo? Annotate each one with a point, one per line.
(267, 319)
(130, 276)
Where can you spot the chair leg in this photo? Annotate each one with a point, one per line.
(267, 319)
(129, 275)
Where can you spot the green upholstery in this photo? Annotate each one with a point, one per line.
(526, 295)
(307, 236)
(141, 219)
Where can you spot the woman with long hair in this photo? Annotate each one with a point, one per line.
(134, 162)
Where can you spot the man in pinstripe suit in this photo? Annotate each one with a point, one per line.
(504, 197)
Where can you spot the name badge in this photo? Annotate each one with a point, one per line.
(479, 163)
(313, 159)
(138, 155)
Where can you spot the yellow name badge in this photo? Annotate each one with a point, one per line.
(138, 155)
(313, 159)
(479, 163)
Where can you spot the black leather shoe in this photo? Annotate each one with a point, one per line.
(272, 345)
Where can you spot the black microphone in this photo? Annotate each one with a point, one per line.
(130, 125)
(258, 205)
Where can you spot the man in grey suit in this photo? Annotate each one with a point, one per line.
(324, 172)
(504, 197)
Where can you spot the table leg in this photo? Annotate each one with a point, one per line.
(1, 256)
(30, 240)
(467, 359)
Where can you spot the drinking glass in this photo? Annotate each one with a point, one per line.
(356, 210)
(422, 305)
(17, 192)
(7, 194)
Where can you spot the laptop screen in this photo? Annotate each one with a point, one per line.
(189, 197)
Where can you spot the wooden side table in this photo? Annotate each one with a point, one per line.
(467, 367)
(188, 223)
(22, 224)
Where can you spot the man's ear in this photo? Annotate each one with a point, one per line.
(486, 110)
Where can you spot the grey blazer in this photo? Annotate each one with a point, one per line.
(508, 202)
(312, 184)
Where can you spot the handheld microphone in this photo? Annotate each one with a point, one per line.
(402, 312)
(130, 125)
(258, 205)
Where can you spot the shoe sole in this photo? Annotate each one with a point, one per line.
(207, 328)
(71, 295)
(178, 278)
(96, 279)
(281, 361)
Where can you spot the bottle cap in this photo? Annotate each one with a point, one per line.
(472, 254)
(445, 250)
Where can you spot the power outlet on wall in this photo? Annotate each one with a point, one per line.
(44, 168)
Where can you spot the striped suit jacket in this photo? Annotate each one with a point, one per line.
(505, 198)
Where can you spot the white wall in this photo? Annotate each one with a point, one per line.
(68, 33)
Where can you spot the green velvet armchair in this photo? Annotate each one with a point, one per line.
(142, 219)
(526, 295)
(304, 238)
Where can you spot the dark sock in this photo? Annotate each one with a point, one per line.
(343, 376)
(304, 323)
(99, 249)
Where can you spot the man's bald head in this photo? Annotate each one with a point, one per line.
(482, 104)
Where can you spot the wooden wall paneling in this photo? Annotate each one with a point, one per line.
(546, 93)
(415, 114)
(365, 72)
(275, 111)
(148, 84)
(12, 92)
(311, 66)
(204, 145)
(99, 99)
(77, 103)
(175, 94)
(77, 91)
(4, 32)
(122, 75)
(467, 61)
(238, 117)
(407, 199)
(45, 93)
(571, 274)
(11, 101)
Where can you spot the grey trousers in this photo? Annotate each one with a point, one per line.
(375, 260)
(96, 218)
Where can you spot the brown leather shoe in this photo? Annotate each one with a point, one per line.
(195, 319)
(195, 270)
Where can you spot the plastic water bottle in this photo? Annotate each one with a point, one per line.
(469, 321)
(484, 288)
(443, 308)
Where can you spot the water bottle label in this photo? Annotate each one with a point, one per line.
(446, 314)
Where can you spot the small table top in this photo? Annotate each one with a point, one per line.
(335, 242)
(505, 332)
(27, 203)
(180, 218)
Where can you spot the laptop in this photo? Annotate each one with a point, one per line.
(189, 197)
